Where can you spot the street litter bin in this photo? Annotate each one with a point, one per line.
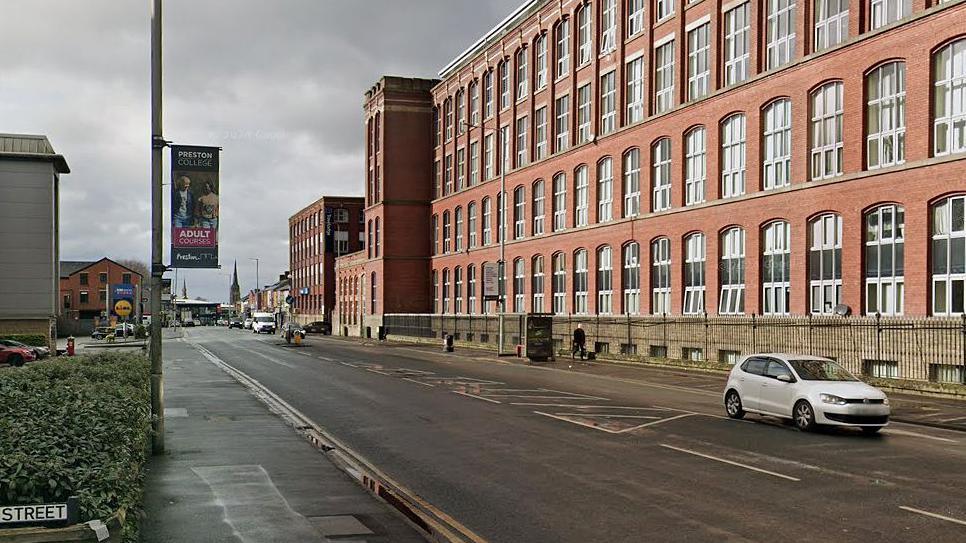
(448, 343)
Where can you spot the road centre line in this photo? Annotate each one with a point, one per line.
(418, 382)
(578, 423)
(585, 406)
(933, 515)
(730, 462)
(379, 372)
(351, 365)
(894, 431)
(327, 359)
(474, 396)
(609, 415)
(547, 397)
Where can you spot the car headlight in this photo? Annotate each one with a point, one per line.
(833, 399)
(885, 401)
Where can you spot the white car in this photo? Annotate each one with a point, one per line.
(248, 323)
(263, 322)
(809, 390)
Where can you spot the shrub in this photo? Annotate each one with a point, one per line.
(34, 340)
(77, 427)
(140, 332)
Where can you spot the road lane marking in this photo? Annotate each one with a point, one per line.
(474, 396)
(953, 419)
(585, 406)
(730, 462)
(418, 382)
(657, 422)
(327, 359)
(548, 397)
(893, 431)
(351, 365)
(608, 415)
(933, 515)
(379, 372)
(575, 394)
(270, 359)
(578, 423)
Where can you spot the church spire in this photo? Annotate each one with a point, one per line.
(234, 294)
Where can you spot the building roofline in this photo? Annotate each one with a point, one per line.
(490, 37)
(32, 147)
(102, 259)
(322, 199)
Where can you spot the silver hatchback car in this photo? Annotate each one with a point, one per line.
(809, 390)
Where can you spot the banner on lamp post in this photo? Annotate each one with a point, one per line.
(194, 206)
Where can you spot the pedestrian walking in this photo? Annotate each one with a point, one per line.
(580, 342)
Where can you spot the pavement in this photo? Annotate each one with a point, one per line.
(234, 472)
(577, 452)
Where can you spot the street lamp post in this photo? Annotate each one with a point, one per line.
(157, 265)
(257, 282)
(501, 233)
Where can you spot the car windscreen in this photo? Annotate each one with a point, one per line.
(264, 319)
(821, 370)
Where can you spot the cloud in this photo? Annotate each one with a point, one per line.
(279, 85)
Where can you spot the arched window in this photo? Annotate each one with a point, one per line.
(475, 103)
(519, 286)
(731, 300)
(632, 182)
(559, 202)
(661, 276)
(435, 292)
(377, 238)
(536, 287)
(540, 48)
(885, 118)
(487, 225)
(522, 80)
(777, 140)
(487, 94)
(581, 281)
(458, 290)
(470, 289)
(584, 35)
(605, 284)
(484, 306)
(448, 118)
(631, 278)
(949, 110)
(447, 232)
(885, 260)
(776, 268)
(471, 224)
(581, 196)
(825, 263)
(500, 217)
(460, 112)
(437, 126)
(519, 212)
(563, 47)
(559, 284)
(949, 256)
(445, 294)
(458, 228)
(695, 252)
(504, 71)
(695, 167)
(661, 176)
(539, 208)
(608, 26)
(372, 292)
(605, 189)
(733, 156)
(827, 131)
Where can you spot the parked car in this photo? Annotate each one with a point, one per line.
(809, 390)
(235, 323)
(15, 356)
(124, 327)
(248, 323)
(39, 352)
(293, 328)
(102, 332)
(319, 327)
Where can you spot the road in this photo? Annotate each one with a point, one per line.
(532, 454)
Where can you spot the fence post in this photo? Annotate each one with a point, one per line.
(808, 330)
(596, 330)
(963, 348)
(664, 329)
(754, 333)
(707, 339)
(878, 337)
(628, 348)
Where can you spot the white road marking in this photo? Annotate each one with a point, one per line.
(585, 406)
(933, 515)
(608, 415)
(953, 419)
(351, 365)
(474, 396)
(893, 431)
(657, 422)
(730, 462)
(379, 372)
(327, 359)
(418, 382)
(302, 353)
(578, 423)
(270, 359)
(576, 395)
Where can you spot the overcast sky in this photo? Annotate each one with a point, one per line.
(278, 84)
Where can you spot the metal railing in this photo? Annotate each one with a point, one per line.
(916, 348)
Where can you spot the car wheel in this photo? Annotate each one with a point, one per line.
(804, 416)
(733, 405)
(871, 430)
(15, 360)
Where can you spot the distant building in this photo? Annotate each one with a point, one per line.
(319, 233)
(84, 292)
(29, 234)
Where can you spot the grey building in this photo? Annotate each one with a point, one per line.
(30, 172)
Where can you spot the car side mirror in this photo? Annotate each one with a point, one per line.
(785, 378)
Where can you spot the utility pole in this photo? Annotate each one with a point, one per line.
(157, 265)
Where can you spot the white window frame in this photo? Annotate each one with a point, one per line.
(540, 133)
(585, 35)
(541, 53)
(486, 217)
(661, 276)
(831, 23)
(445, 295)
(737, 53)
(608, 102)
(661, 175)
(635, 17)
(776, 281)
(536, 284)
(948, 230)
(559, 283)
(488, 94)
(605, 280)
(447, 232)
(777, 143)
(631, 278)
(523, 81)
(460, 112)
(539, 207)
(731, 300)
(581, 281)
(471, 225)
(460, 169)
(448, 119)
(458, 229)
(581, 196)
(632, 182)
(559, 202)
(474, 163)
(733, 138)
(884, 243)
(695, 260)
(448, 175)
(827, 131)
(519, 212)
(489, 143)
(562, 124)
(825, 233)
(949, 114)
(505, 92)
(470, 289)
(699, 66)
(695, 165)
(519, 286)
(663, 9)
(664, 77)
(780, 33)
(634, 94)
(884, 12)
(522, 157)
(584, 99)
(605, 189)
(458, 290)
(475, 103)
(885, 117)
(562, 46)
(608, 25)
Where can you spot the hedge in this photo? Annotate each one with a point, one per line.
(77, 427)
(35, 340)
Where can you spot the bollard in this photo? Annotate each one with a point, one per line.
(70, 346)
(448, 343)
(519, 351)
(298, 338)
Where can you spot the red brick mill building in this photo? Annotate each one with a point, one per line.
(775, 159)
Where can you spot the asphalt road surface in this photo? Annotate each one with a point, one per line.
(528, 454)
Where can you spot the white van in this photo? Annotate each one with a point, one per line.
(263, 322)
